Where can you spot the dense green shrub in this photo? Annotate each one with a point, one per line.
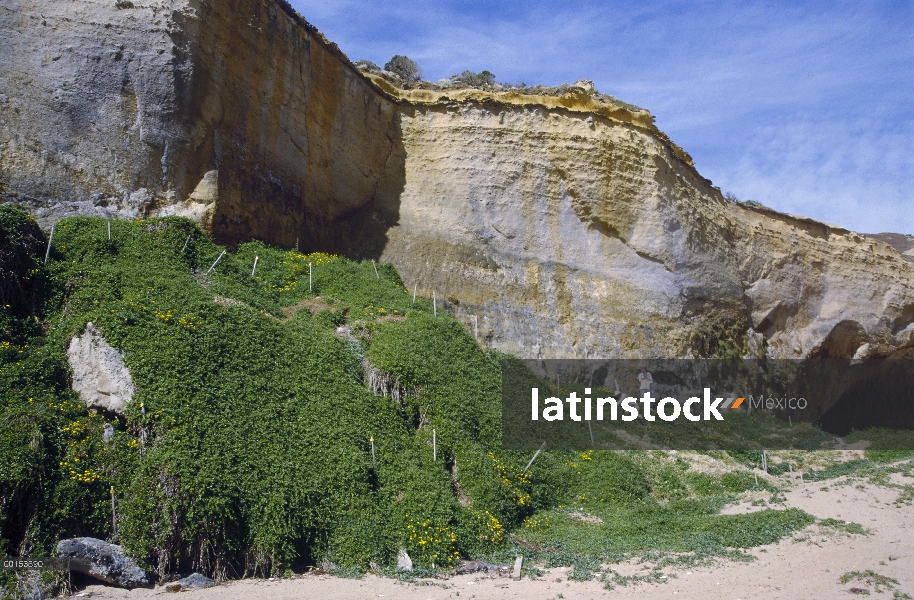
(610, 477)
(404, 67)
(483, 79)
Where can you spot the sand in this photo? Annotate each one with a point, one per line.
(807, 565)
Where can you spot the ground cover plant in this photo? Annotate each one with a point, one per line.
(284, 417)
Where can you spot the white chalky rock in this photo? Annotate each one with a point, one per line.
(100, 376)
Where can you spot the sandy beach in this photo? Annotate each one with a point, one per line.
(808, 565)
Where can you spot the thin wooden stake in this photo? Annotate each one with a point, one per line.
(435, 303)
(372, 450)
(113, 517)
(375, 269)
(309, 277)
(109, 230)
(414, 292)
(216, 263)
(434, 447)
(50, 239)
(765, 461)
(791, 420)
(756, 477)
(185, 244)
(254, 270)
(476, 325)
(534, 456)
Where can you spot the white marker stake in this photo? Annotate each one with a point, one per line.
(414, 292)
(518, 564)
(476, 325)
(435, 303)
(216, 263)
(534, 457)
(434, 447)
(375, 269)
(756, 478)
(254, 270)
(113, 517)
(309, 277)
(50, 239)
(109, 230)
(185, 244)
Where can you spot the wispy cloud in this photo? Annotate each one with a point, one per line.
(804, 106)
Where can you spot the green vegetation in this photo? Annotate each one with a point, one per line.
(483, 79)
(286, 419)
(884, 441)
(879, 583)
(405, 68)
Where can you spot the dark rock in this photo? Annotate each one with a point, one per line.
(191, 582)
(467, 567)
(104, 561)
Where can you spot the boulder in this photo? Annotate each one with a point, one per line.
(404, 562)
(467, 567)
(100, 376)
(191, 582)
(104, 561)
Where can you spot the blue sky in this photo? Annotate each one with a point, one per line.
(805, 107)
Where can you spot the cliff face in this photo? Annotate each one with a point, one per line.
(232, 112)
(567, 226)
(561, 229)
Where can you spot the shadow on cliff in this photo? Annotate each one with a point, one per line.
(280, 211)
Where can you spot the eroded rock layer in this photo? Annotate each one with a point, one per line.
(565, 225)
(233, 112)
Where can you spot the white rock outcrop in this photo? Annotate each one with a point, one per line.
(100, 376)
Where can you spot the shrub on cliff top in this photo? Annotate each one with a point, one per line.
(404, 68)
(483, 79)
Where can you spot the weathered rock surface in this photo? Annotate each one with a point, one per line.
(904, 244)
(100, 376)
(570, 226)
(134, 109)
(105, 561)
(191, 582)
(579, 234)
(404, 562)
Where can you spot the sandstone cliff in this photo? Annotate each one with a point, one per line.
(567, 225)
(234, 112)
